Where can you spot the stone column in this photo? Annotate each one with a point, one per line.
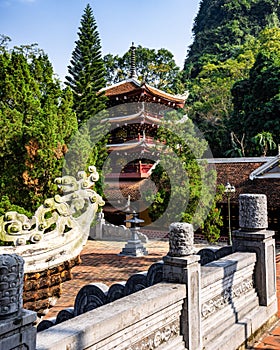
(253, 236)
(181, 266)
(17, 329)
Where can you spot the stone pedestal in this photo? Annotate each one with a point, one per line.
(17, 329)
(181, 266)
(19, 333)
(253, 236)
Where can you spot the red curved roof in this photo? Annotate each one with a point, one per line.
(145, 92)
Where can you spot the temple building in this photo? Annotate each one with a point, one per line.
(135, 112)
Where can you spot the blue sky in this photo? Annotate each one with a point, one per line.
(53, 25)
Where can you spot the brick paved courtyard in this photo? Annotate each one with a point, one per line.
(101, 263)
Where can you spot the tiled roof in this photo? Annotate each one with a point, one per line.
(135, 86)
(120, 190)
(165, 95)
(238, 174)
(122, 88)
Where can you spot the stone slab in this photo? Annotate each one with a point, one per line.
(99, 324)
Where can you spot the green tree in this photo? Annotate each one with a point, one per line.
(36, 123)
(86, 79)
(86, 70)
(156, 67)
(210, 102)
(211, 226)
(264, 141)
(257, 98)
(185, 184)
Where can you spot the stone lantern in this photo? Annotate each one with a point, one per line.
(134, 246)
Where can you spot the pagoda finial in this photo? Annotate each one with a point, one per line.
(132, 62)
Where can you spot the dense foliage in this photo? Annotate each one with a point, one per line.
(257, 98)
(229, 39)
(156, 67)
(36, 123)
(186, 185)
(221, 26)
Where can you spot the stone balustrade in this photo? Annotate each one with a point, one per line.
(220, 304)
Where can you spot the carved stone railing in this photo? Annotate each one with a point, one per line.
(59, 228)
(94, 295)
(103, 230)
(194, 307)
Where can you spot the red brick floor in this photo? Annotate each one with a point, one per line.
(101, 263)
(271, 339)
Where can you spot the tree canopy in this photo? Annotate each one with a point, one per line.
(221, 26)
(219, 69)
(257, 99)
(156, 67)
(186, 185)
(36, 123)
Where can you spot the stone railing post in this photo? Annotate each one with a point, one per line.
(17, 329)
(182, 266)
(253, 236)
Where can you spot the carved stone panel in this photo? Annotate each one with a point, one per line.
(158, 337)
(11, 285)
(225, 298)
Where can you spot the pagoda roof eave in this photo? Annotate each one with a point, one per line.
(134, 86)
(178, 98)
(134, 81)
(133, 145)
(133, 117)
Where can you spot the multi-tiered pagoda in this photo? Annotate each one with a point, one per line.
(135, 112)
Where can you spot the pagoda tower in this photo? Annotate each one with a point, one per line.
(135, 112)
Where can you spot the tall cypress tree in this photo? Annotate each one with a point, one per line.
(86, 79)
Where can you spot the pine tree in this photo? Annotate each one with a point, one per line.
(86, 71)
(86, 79)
